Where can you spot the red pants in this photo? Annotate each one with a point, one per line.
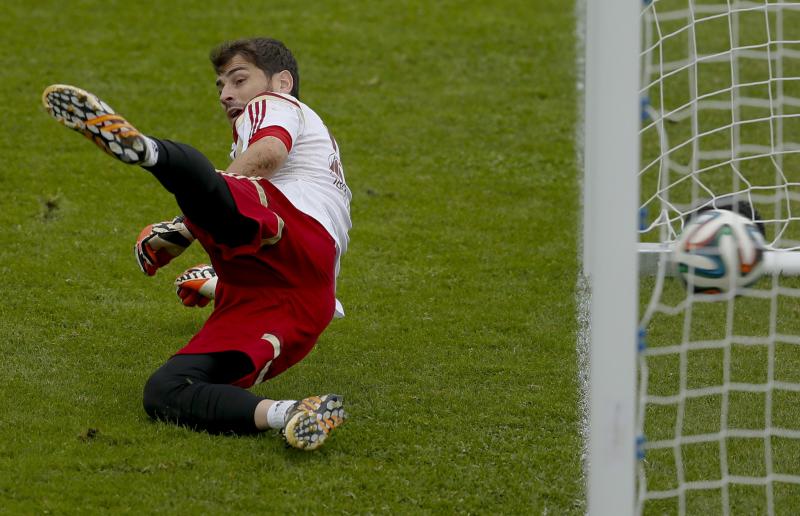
(275, 294)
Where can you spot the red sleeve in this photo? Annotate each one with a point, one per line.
(276, 131)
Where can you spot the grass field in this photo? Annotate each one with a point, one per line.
(456, 123)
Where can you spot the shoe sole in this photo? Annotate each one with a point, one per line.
(312, 421)
(83, 112)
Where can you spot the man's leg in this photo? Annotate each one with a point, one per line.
(200, 192)
(195, 390)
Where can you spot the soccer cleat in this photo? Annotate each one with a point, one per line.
(310, 421)
(84, 112)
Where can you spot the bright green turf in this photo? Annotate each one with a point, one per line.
(456, 122)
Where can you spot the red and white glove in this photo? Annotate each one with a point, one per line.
(196, 285)
(159, 243)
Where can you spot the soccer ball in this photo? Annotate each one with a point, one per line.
(719, 251)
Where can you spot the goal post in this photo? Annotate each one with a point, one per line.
(611, 201)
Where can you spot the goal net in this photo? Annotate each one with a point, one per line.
(718, 405)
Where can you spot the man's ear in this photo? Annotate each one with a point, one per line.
(285, 81)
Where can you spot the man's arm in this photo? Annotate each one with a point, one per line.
(261, 159)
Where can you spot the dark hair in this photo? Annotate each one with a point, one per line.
(270, 55)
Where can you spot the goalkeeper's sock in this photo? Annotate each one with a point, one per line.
(276, 414)
(151, 152)
(201, 192)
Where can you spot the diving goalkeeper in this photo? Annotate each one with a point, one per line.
(274, 225)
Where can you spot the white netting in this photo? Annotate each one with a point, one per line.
(719, 388)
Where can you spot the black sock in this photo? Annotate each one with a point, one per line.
(202, 194)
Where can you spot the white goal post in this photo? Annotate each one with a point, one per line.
(693, 399)
(611, 201)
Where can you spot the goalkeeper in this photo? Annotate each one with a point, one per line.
(274, 225)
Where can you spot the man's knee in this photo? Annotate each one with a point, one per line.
(160, 394)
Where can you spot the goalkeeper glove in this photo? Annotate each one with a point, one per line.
(159, 243)
(196, 285)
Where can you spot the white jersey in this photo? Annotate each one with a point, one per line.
(312, 177)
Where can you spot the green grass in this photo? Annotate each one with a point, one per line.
(456, 123)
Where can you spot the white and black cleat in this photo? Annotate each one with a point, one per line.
(85, 113)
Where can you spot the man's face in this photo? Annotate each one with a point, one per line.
(238, 82)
